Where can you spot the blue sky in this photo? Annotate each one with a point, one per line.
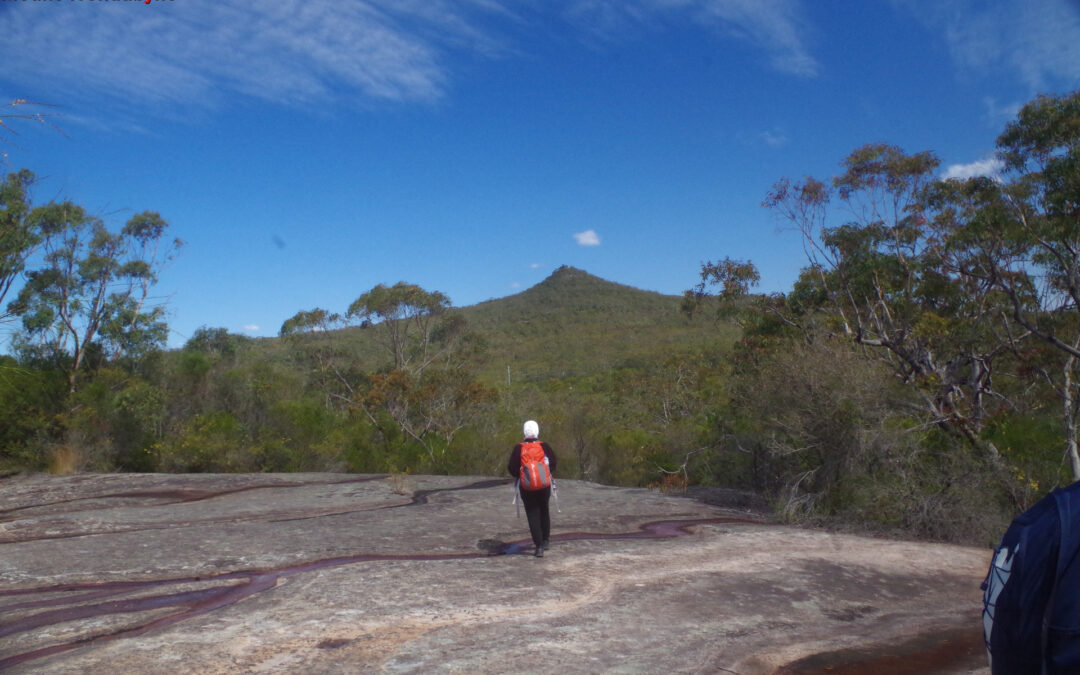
(307, 150)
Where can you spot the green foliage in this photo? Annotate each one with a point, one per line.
(316, 320)
(213, 442)
(18, 237)
(735, 279)
(625, 456)
(138, 417)
(830, 437)
(29, 399)
(216, 341)
(926, 485)
(1032, 444)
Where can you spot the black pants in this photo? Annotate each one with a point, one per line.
(536, 510)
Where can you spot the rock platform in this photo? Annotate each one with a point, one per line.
(333, 573)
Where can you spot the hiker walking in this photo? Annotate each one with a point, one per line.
(532, 462)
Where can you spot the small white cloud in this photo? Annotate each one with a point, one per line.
(991, 167)
(515, 285)
(774, 140)
(587, 238)
(251, 328)
(535, 266)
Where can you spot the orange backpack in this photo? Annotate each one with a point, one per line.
(535, 474)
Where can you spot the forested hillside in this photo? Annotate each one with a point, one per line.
(574, 324)
(606, 368)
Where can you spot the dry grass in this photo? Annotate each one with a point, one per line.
(65, 461)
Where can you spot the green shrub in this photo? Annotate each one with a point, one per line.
(213, 442)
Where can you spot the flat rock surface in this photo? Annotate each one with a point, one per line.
(320, 573)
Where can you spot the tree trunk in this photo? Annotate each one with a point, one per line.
(1070, 413)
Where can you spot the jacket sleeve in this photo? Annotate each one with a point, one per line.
(550, 456)
(514, 465)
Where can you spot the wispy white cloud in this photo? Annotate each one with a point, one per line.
(535, 266)
(197, 52)
(175, 58)
(587, 238)
(1035, 41)
(251, 328)
(775, 26)
(997, 114)
(991, 167)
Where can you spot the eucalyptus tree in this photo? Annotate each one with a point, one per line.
(1041, 152)
(91, 291)
(1028, 220)
(876, 271)
(1017, 236)
(404, 318)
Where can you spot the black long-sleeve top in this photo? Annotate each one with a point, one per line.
(514, 465)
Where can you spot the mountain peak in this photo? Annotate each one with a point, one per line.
(567, 270)
(567, 273)
(575, 290)
(569, 290)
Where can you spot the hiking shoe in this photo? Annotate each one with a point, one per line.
(539, 552)
(546, 545)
